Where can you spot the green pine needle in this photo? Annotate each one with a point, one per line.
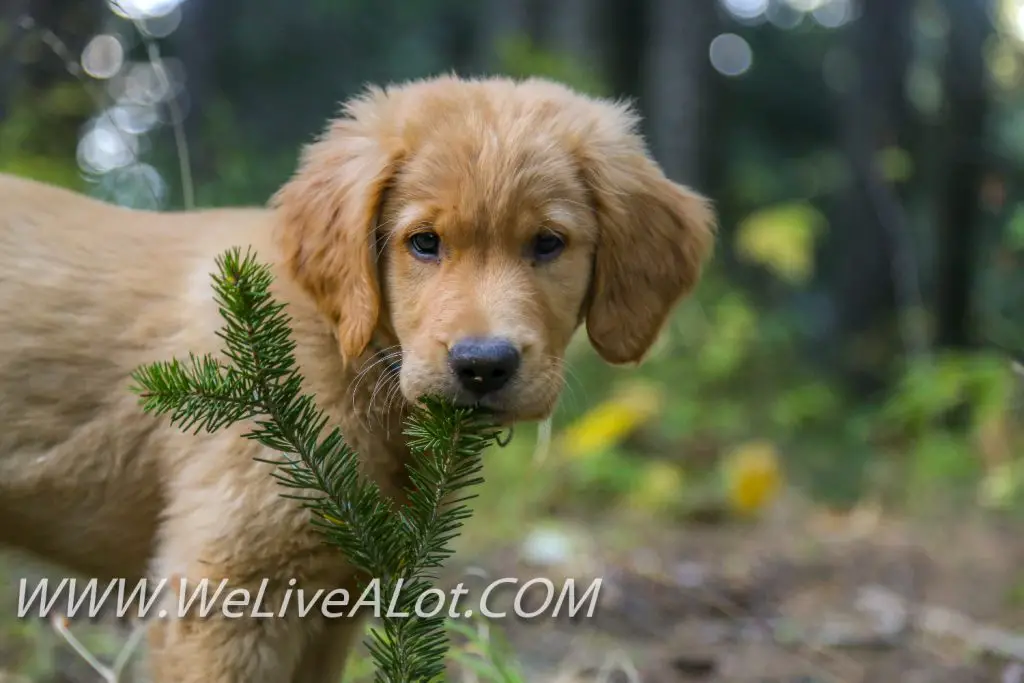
(260, 383)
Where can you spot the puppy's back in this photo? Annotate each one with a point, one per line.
(88, 291)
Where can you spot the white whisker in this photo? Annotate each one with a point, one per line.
(385, 355)
(390, 401)
(382, 381)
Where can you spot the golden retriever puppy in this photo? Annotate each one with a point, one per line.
(444, 236)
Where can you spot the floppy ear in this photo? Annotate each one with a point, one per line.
(654, 236)
(326, 223)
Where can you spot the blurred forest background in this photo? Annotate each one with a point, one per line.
(845, 374)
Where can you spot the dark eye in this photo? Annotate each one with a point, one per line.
(425, 245)
(547, 246)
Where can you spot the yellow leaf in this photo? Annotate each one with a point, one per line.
(782, 238)
(608, 423)
(753, 476)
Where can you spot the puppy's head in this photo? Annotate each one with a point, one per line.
(478, 224)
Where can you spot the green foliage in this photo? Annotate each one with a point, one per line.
(736, 324)
(485, 653)
(1015, 229)
(520, 58)
(479, 650)
(261, 382)
(609, 473)
(937, 460)
(930, 389)
(38, 131)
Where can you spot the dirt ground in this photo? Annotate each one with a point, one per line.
(801, 597)
(804, 597)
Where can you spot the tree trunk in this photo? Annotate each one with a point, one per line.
(13, 17)
(194, 42)
(624, 38)
(867, 239)
(675, 78)
(966, 102)
(571, 29)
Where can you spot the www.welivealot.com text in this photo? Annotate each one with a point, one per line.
(167, 598)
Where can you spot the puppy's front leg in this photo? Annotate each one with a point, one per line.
(325, 658)
(223, 649)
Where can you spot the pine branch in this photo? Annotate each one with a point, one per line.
(261, 383)
(201, 394)
(455, 437)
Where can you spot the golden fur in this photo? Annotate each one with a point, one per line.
(89, 291)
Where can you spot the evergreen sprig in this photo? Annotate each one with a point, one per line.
(401, 546)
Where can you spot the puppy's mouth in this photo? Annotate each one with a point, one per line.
(492, 406)
(505, 410)
(502, 411)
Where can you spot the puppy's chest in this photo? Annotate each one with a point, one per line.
(250, 521)
(382, 460)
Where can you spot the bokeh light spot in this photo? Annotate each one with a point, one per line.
(784, 15)
(163, 25)
(833, 14)
(105, 148)
(805, 5)
(103, 56)
(138, 10)
(730, 54)
(146, 84)
(1018, 19)
(745, 9)
(134, 118)
(137, 185)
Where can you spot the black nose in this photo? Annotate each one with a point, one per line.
(483, 365)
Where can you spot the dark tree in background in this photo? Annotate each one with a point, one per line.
(958, 238)
(872, 116)
(675, 84)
